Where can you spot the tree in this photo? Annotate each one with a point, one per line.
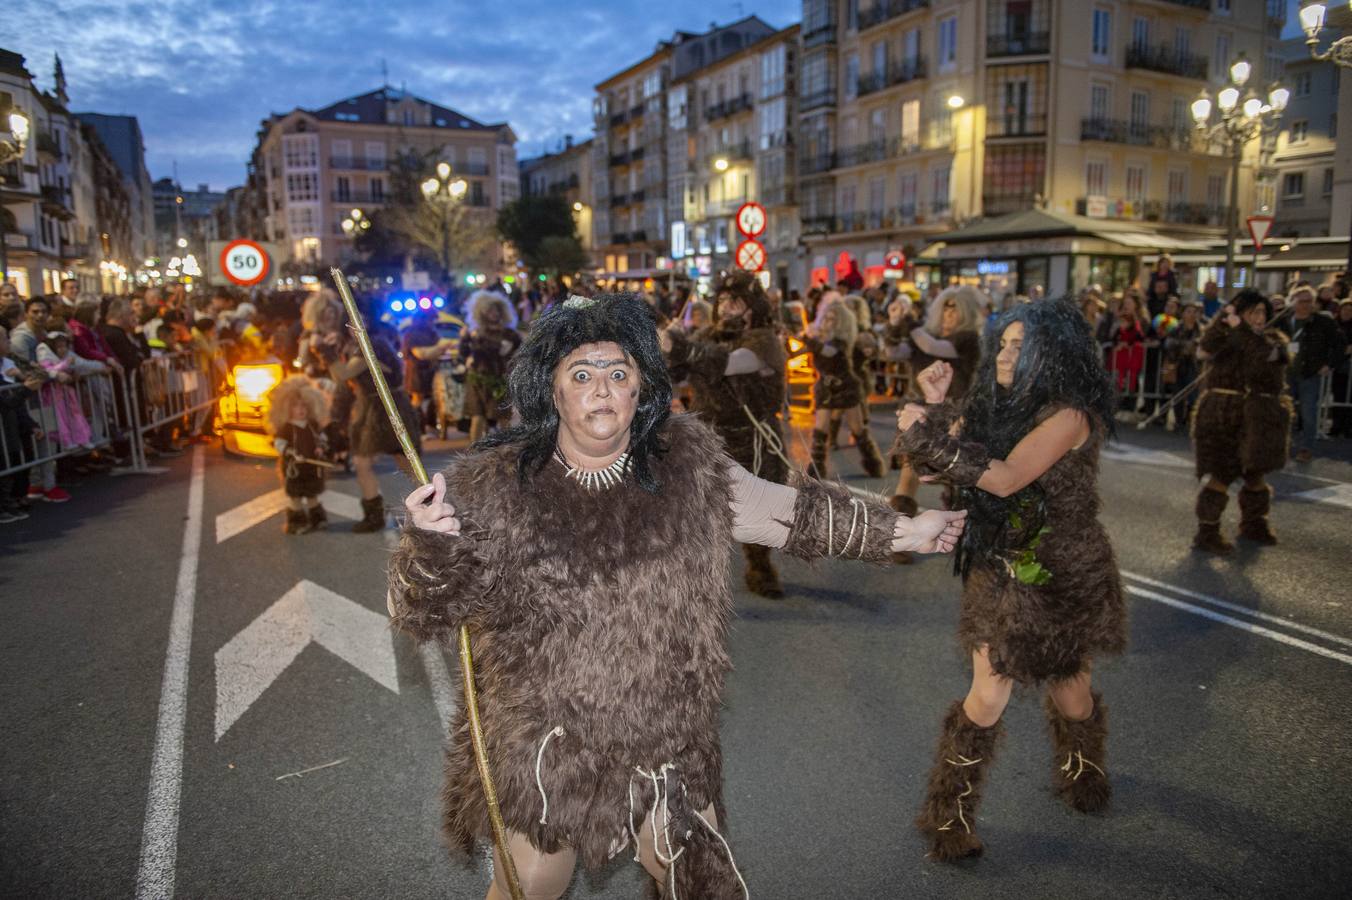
(529, 222)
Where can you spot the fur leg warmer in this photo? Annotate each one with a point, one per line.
(319, 519)
(817, 468)
(761, 577)
(947, 819)
(933, 451)
(296, 522)
(1210, 507)
(830, 520)
(1254, 505)
(1079, 757)
(869, 456)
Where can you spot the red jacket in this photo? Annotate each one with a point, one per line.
(89, 343)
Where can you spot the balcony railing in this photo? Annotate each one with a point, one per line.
(1166, 59)
(906, 215)
(727, 108)
(1164, 137)
(469, 168)
(1192, 4)
(820, 36)
(1162, 211)
(619, 237)
(817, 99)
(619, 119)
(1016, 124)
(1026, 44)
(739, 150)
(47, 144)
(357, 197)
(617, 200)
(74, 251)
(813, 165)
(619, 159)
(358, 164)
(897, 73)
(55, 194)
(884, 10)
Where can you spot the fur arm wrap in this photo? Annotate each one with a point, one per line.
(933, 451)
(701, 360)
(436, 581)
(830, 520)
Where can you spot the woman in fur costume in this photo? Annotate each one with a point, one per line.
(951, 333)
(1042, 596)
(1242, 424)
(587, 549)
(831, 343)
(487, 349)
(737, 370)
(297, 414)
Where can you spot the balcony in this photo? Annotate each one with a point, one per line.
(57, 201)
(739, 150)
(1201, 214)
(815, 165)
(999, 204)
(47, 145)
(1028, 43)
(619, 119)
(1139, 134)
(1165, 59)
(636, 112)
(727, 108)
(71, 252)
(1017, 124)
(900, 73)
(638, 237)
(1203, 5)
(618, 200)
(469, 168)
(885, 10)
(357, 197)
(817, 99)
(358, 165)
(820, 36)
(619, 237)
(619, 159)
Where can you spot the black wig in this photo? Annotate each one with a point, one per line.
(1059, 367)
(624, 319)
(747, 287)
(1249, 298)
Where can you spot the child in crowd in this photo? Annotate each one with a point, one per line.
(296, 419)
(60, 395)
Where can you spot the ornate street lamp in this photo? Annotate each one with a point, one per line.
(1312, 21)
(355, 223)
(444, 191)
(1242, 115)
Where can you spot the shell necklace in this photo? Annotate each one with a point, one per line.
(595, 479)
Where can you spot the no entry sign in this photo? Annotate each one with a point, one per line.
(751, 219)
(244, 262)
(751, 255)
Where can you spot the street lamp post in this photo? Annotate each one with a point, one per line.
(12, 141)
(1339, 53)
(1242, 116)
(444, 191)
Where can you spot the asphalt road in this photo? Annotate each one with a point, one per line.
(1229, 750)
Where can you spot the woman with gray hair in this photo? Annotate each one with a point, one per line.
(487, 349)
(952, 334)
(831, 341)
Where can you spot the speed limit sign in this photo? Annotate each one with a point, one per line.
(751, 219)
(751, 255)
(244, 262)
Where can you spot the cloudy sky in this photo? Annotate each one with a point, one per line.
(201, 74)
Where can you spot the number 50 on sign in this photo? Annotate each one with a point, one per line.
(244, 262)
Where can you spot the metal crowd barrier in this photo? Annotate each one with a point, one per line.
(174, 388)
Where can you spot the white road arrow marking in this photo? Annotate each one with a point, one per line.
(1133, 454)
(262, 508)
(1335, 495)
(252, 660)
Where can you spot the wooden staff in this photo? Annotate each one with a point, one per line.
(466, 660)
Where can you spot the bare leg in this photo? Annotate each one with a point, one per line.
(543, 876)
(365, 467)
(1073, 698)
(989, 694)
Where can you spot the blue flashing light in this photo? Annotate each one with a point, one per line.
(425, 303)
(438, 302)
(397, 305)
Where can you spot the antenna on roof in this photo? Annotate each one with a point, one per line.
(384, 74)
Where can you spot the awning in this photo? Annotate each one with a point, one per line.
(1144, 240)
(1324, 255)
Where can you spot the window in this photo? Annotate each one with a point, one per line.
(343, 189)
(1140, 32)
(910, 123)
(1327, 189)
(1012, 177)
(1140, 115)
(1178, 186)
(877, 126)
(676, 107)
(1135, 182)
(815, 75)
(1223, 7)
(408, 115)
(773, 64)
(301, 221)
(910, 49)
(478, 161)
(652, 84)
(847, 201)
(342, 153)
(852, 14)
(1220, 60)
(375, 155)
(1096, 178)
(1300, 130)
(1215, 192)
(1100, 40)
(879, 50)
(1303, 84)
(302, 187)
(378, 189)
(1098, 102)
(939, 188)
(300, 151)
(906, 194)
(851, 76)
(877, 188)
(1293, 185)
(948, 43)
(771, 116)
(1182, 116)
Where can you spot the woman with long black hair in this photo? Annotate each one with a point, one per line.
(1042, 596)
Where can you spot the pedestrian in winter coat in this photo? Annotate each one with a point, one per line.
(1317, 347)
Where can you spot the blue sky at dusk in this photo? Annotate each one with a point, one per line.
(201, 74)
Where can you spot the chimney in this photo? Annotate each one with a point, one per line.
(567, 142)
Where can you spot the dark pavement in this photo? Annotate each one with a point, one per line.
(1229, 747)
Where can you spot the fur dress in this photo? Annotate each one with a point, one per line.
(488, 354)
(719, 398)
(1047, 631)
(838, 385)
(1242, 422)
(600, 617)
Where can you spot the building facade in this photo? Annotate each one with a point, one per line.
(1302, 192)
(569, 174)
(121, 135)
(729, 143)
(313, 167)
(919, 115)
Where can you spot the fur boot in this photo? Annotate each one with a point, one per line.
(869, 456)
(1254, 504)
(817, 468)
(1079, 757)
(948, 817)
(1210, 506)
(319, 520)
(373, 516)
(296, 523)
(909, 508)
(761, 577)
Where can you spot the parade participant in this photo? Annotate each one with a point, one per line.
(951, 333)
(737, 370)
(297, 414)
(586, 549)
(1242, 425)
(1041, 593)
(487, 349)
(831, 343)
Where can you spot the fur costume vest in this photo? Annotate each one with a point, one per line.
(599, 622)
(1242, 422)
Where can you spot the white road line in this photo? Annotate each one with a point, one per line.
(1239, 608)
(1241, 625)
(265, 506)
(159, 836)
(439, 679)
(1337, 494)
